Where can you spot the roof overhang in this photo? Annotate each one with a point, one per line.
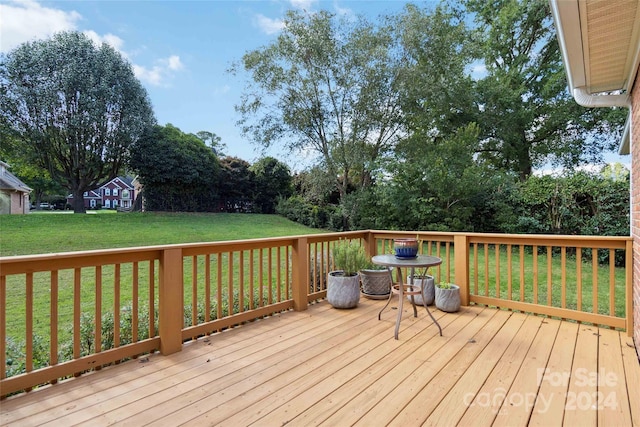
(600, 45)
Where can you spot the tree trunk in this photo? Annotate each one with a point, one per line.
(78, 201)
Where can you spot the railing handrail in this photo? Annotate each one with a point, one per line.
(297, 252)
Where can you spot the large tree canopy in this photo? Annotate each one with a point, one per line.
(76, 106)
(325, 86)
(528, 116)
(273, 180)
(178, 171)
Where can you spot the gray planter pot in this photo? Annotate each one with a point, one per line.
(343, 291)
(375, 282)
(448, 299)
(426, 284)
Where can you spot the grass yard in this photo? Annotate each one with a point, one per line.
(50, 232)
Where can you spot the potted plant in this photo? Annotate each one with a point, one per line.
(426, 285)
(343, 284)
(448, 297)
(376, 281)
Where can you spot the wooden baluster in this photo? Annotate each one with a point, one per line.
(77, 293)
(279, 273)
(563, 273)
(510, 272)
(612, 282)
(594, 260)
(53, 343)
(261, 277)
(486, 269)
(219, 284)
(29, 323)
(476, 273)
(230, 283)
(251, 280)
(535, 273)
(116, 306)
(241, 281)
(270, 274)
(152, 298)
(522, 281)
(207, 287)
(135, 284)
(549, 276)
(194, 290)
(579, 279)
(496, 249)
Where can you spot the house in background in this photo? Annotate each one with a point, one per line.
(14, 194)
(600, 44)
(117, 193)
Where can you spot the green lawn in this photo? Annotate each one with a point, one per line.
(49, 232)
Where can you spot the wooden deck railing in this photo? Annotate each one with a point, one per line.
(58, 311)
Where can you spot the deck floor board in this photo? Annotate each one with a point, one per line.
(343, 367)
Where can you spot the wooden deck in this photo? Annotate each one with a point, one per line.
(343, 367)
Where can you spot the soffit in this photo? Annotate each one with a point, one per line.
(610, 31)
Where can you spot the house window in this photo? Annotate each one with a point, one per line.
(115, 191)
(107, 203)
(85, 194)
(115, 203)
(92, 203)
(107, 191)
(125, 194)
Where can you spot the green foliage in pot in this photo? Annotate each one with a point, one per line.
(445, 285)
(349, 256)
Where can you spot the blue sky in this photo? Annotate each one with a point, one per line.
(180, 50)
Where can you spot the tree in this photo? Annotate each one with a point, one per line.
(178, 171)
(237, 185)
(272, 181)
(76, 106)
(436, 91)
(528, 116)
(213, 141)
(325, 86)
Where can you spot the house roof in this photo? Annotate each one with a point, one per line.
(9, 181)
(600, 44)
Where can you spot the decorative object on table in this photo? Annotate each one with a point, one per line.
(343, 284)
(405, 248)
(448, 297)
(376, 281)
(427, 289)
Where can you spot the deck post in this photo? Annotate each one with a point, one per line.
(300, 273)
(370, 244)
(171, 301)
(461, 264)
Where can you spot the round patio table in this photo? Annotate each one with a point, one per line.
(400, 288)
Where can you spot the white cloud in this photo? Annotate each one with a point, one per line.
(27, 20)
(342, 11)
(174, 63)
(161, 72)
(268, 25)
(153, 76)
(110, 39)
(302, 4)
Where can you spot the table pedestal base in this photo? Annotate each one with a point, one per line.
(402, 289)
